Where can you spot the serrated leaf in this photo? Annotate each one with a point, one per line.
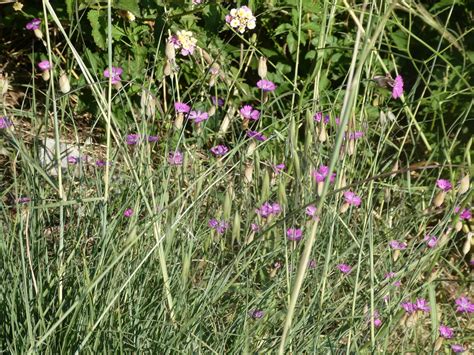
(97, 24)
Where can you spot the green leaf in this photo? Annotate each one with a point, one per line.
(98, 24)
(127, 5)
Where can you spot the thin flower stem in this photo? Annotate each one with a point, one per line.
(62, 195)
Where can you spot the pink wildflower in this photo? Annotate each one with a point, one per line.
(175, 158)
(266, 85)
(444, 184)
(321, 174)
(294, 234)
(278, 168)
(33, 24)
(128, 212)
(409, 307)
(219, 150)
(397, 89)
(397, 245)
(198, 116)
(44, 65)
(344, 268)
(115, 75)
(132, 139)
(445, 332)
(181, 107)
(5, 122)
(352, 199)
(464, 305)
(422, 305)
(256, 135)
(268, 209)
(431, 241)
(457, 348)
(311, 210)
(256, 314)
(249, 113)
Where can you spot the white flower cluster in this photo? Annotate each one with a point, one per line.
(241, 19)
(185, 41)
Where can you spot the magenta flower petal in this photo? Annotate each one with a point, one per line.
(352, 199)
(33, 24)
(44, 65)
(397, 89)
(344, 268)
(128, 212)
(266, 85)
(5, 122)
(444, 184)
(464, 305)
(181, 107)
(219, 150)
(294, 234)
(445, 332)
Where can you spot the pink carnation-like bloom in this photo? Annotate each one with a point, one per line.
(198, 116)
(397, 89)
(256, 314)
(128, 212)
(132, 139)
(445, 331)
(181, 107)
(33, 24)
(256, 135)
(294, 234)
(465, 214)
(352, 199)
(321, 174)
(409, 307)
(219, 226)
(5, 122)
(175, 158)
(422, 305)
(344, 268)
(311, 210)
(397, 245)
(255, 227)
(249, 113)
(115, 76)
(219, 150)
(355, 135)
(268, 209)
(266, 85)
(464, 305)
(431, 241)
(457, 348)
(44, 65)
(444, 184)
(278, 168)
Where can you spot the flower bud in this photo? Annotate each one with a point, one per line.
(212, 111)
(4, 85)
(248, 172)
(251, 148)
(464, 184)
(344, 207)
(439, 199)
(148, 104)
(169, 51)
(467, 244)
(167, 69)
(458, 226)
(64, 85)
(323, 135)
(262, 67)
(45, 75)
(38, 33)
(178, 122)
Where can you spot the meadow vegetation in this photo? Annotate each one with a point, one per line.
(232, 177)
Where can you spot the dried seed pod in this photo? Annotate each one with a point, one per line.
(248, 172)
(439, 198)
(464, 184)
(323, 135)
(64, 84)
(170, 51)
(467, 244)
(262, 67)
